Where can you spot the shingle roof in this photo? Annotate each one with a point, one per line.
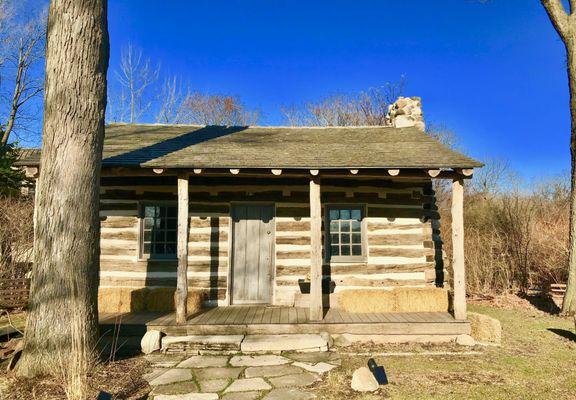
(185, 146)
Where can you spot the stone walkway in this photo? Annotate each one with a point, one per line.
(237, 377)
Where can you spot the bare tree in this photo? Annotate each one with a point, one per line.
(565, 24)
(172, 97)
(368, 108)
(67, 232)
(135, 76)
(210, 109)
(22, 53)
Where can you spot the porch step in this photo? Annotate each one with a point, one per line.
(279, 343)
(202, 344)
(249, 344)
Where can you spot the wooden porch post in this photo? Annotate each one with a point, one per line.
(458, 249)
(182, 250)
(316, 310)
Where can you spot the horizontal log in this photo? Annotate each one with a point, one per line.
(119, 222)
(293, 226)
(207, 283)
(208, 252)
(214, 267)
(384, 268)
(398, 252)
(283, 255)
(374, 226)
(297, 240)
(217, 236)
(118, 234)
(396, 239)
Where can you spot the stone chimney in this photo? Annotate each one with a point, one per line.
(405, 112)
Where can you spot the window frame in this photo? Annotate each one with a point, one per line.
(141, 211)
(328, 257)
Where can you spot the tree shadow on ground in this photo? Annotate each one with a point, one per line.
(564, 333)
(542, 303)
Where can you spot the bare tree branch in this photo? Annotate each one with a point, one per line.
(135, 76)
(558, 15)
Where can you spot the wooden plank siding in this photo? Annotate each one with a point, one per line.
(404, 247)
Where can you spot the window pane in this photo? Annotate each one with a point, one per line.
(356, 226)
(147, 236)
(345, 226)
(356, 238)
(334, 214)
(146, 249)
(158, 248)
(345, 238)
(171, 236)
(344, 214)
(345, 251)
(356, 214)
(171, 223)
(162, 224)
(149, 211)
(356, 250)
(335, 239)
(335, 250)
(172, 212)
(170, 248)
(334, 226)
(148, 223)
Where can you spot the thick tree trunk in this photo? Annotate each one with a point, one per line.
(66, 248)
(569, 305)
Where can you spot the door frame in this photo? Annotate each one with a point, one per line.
(230, 276)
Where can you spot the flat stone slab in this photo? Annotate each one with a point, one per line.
(241, 396)
(248, 385)
(202, 342)
(217, 373)
(188, 396)
(319, 368)
(296, 380)
(288, 394)
(176, 388)
(171, 376)
(204, 362)
(213, 385)
(163, 360)
(258, 361)
(155, 373)
(316, 357)
(271, 370)
(271, 343)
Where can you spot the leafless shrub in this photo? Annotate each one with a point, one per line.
(367, 108)
(16, 236)
(214, 109)
(514, 240)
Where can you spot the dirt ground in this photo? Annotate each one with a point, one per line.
(537, 360)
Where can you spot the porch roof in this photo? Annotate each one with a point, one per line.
(187, 146)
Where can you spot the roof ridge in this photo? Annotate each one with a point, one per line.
(256, 126)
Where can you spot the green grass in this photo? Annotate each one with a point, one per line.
(532, 363)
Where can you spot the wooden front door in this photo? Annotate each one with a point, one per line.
(252, 253)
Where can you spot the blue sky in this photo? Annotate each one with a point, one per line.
(492, 72)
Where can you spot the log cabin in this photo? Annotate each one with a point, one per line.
(287, 225)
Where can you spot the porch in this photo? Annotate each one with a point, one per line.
(266, 320)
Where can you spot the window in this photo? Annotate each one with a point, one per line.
(159, 226)
(345, 238)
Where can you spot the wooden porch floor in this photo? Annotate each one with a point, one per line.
(269, 320)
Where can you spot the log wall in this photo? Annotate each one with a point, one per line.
(403, 248)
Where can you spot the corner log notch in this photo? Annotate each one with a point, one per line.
(182, 250)
(316, 308)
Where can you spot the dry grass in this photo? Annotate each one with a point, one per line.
(514, 240)
(396, 300)
(535, 361)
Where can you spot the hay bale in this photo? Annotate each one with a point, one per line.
(124, 300)
(114, 300)
(397, 300)
(484, 328)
